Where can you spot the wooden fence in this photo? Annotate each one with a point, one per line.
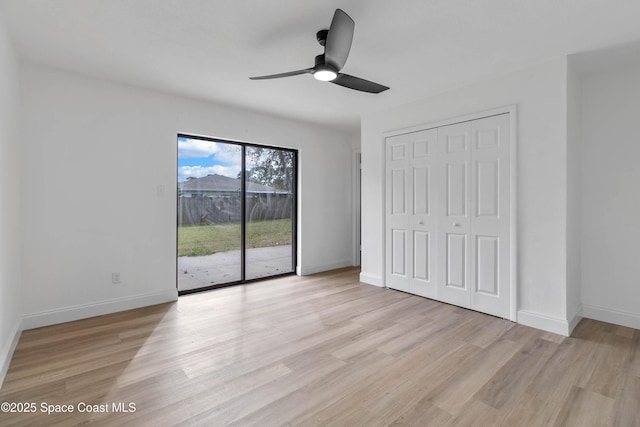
(225, 208)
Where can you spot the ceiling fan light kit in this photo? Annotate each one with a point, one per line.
(325, 75)
(337, 44)
(323, 71)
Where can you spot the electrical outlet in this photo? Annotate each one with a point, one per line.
(160, 190)
(115, 278)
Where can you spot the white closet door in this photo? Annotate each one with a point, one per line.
(489, 245)
(454, 143)
(448, 214)
(411, 213)
(399, 187)
(423, 220)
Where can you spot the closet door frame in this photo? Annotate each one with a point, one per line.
(513, 238)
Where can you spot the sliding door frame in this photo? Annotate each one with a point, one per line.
(243, 207)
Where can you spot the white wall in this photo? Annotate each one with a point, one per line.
(540, 94)
(611, 195)
(94, 153)
(355, 197)
(574, 196)
(10, 246)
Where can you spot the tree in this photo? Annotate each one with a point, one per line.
(271, 167)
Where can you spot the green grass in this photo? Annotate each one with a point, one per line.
(198, 240)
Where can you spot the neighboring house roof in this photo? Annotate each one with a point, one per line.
(222, 184)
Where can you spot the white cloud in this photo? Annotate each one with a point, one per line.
(195, 148)
(229, 154)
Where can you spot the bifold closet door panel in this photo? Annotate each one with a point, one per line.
(411, 213)
(490, 242)
(398, 234)
(423, 220)
(454, 143)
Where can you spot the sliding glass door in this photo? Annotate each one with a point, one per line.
(236, 212)
(269, 201)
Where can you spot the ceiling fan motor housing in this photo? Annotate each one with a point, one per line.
(322, 65)
(321, 36)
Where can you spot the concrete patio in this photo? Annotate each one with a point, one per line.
(201, 271)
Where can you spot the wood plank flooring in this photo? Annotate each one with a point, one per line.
(322, 350)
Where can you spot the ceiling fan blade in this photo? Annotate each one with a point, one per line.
(338, 44)
(289, 74)
(357, 83)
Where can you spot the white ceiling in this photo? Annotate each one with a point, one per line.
(207, 49)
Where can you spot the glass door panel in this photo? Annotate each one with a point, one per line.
(269, 211)
(209, 213)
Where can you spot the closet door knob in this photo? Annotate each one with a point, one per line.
(455, 224)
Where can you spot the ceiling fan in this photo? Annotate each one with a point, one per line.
(337, 44)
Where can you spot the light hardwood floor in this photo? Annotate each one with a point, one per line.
(323, 350)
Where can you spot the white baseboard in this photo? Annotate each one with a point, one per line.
(8, 349)
(574, 319)
(371, 279)
(618, 317)
(307, 270)
(546, 323)
(68, 314)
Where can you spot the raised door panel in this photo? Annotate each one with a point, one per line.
(487, 188)
(487, 249)
(398, 253)
(457, 142)
(456, 190)
(456, 260)
(423, 143)
(398, 192)
(422, 192)
(398, 149)
(422, 256)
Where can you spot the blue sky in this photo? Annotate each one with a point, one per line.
(198, 158)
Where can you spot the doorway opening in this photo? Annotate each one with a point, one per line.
(236, 212)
